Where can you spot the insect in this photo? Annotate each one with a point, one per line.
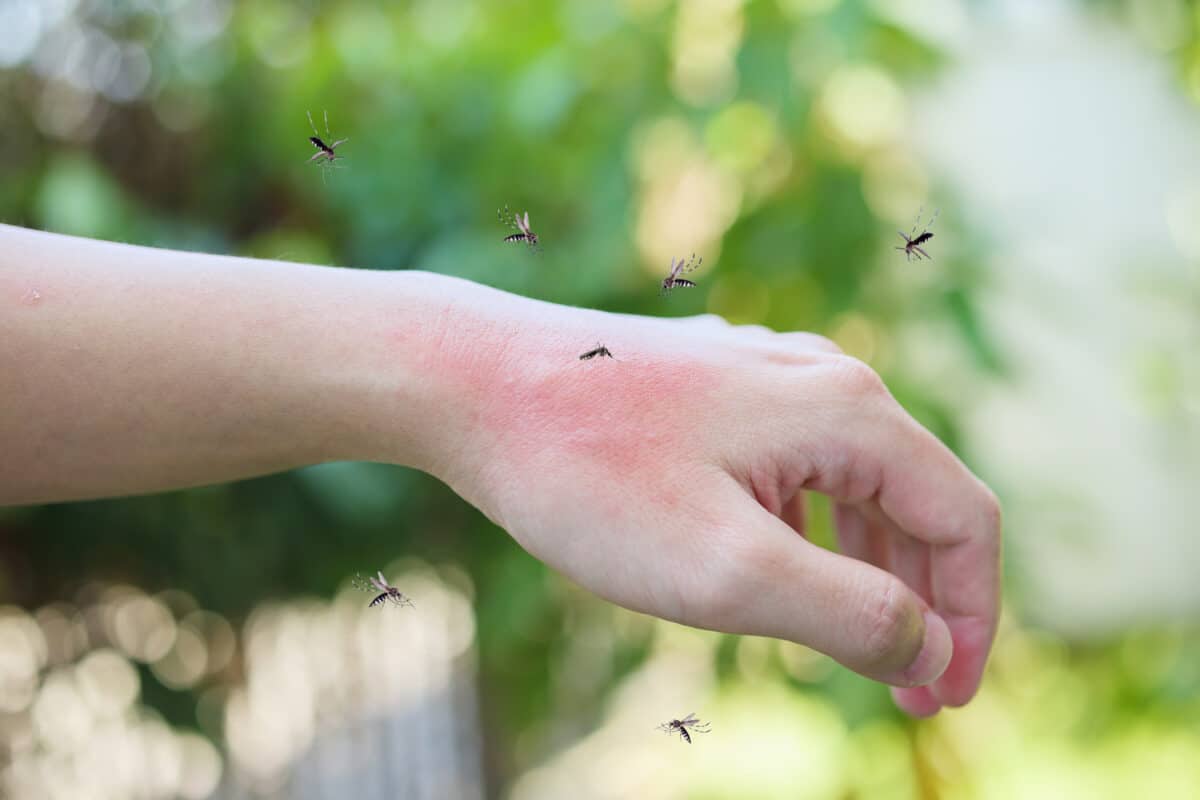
(600, 350)
(521, 224)
(326, 153)
(384, 591)
(913, 242)
(681, 726)
(678, 268)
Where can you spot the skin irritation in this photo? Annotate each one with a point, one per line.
(617, 414)
(616, 418)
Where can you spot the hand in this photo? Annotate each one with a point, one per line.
(672, 480)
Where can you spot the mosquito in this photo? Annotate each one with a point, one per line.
(600, 350)
(913, 242)
(521, 224)
(384, 591)
(678, 268)
(326, 153)
(681, 726)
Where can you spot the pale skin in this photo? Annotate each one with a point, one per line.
(671, 481)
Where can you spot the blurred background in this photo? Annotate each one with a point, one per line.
(207, 643)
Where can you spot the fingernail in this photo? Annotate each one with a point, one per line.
(934, 657)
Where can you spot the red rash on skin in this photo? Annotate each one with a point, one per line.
(616, 415)
(525, 402)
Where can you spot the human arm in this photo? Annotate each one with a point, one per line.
(669, 480)
(131, 369)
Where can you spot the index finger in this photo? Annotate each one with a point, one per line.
(882, 453)
(966, 590)
(933, 497)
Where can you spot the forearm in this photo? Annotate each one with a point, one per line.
(129, 369)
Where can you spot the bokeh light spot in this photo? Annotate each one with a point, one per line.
(863, 107)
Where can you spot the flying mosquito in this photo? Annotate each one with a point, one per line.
(600, 350)
(678, 268)
(384, 591)
(326, 153)
(681, 727)
(913, 242)
(521, 224)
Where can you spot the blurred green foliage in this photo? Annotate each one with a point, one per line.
(453, 110)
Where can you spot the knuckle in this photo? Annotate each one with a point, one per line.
(857, 379)
(826, 344)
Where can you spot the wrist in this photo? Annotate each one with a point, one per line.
(409, 398)
(463, 362)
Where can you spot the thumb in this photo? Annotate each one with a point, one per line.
(860, 615)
